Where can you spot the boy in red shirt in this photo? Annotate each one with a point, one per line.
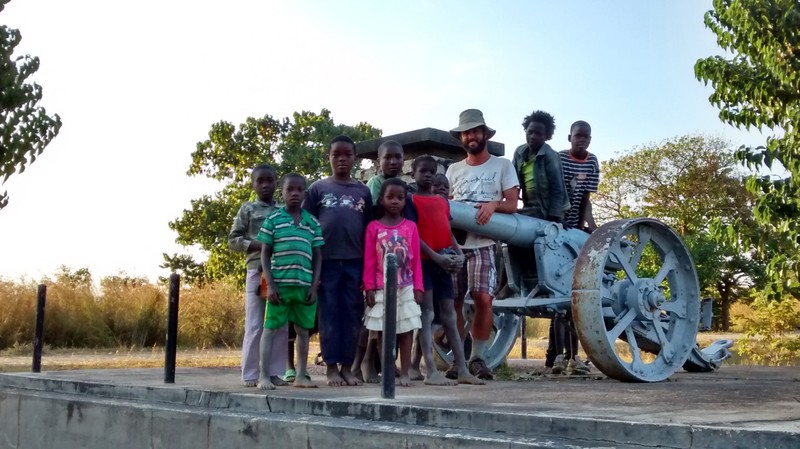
(441, 255)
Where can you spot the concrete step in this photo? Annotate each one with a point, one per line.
(760, 410)
(36, 419)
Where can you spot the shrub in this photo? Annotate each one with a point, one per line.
(771, 331)
(212, 315)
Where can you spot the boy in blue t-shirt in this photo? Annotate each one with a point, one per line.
(343, 207)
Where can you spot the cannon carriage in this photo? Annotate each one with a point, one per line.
(635, 322)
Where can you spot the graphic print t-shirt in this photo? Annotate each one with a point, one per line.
(343, 210)
(481, 184)
(401, 240)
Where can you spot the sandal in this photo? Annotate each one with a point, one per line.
(291, 375)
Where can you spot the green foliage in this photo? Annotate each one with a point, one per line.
(771, 331)
(688, 182)
(297, 144)
(757, 87)
(192, 273)
(25, 129)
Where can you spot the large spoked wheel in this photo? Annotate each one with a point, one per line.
(505, 328)
(635, 300)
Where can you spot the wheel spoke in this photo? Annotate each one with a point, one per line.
(666, 347)
(624, 321)
(626, 266)
(670, 263)
(676, 307)
(634, 346)
(644, 239)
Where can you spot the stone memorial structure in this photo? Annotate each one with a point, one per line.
(435, 142)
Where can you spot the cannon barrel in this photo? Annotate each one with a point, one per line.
(514, 229)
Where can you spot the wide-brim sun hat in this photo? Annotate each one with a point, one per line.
(469, 119)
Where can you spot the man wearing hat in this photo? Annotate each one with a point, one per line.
(490, 184)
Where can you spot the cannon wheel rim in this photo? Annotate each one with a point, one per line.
(505, 329)
(632, 304)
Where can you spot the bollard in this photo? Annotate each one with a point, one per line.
(172, 329)
(523, 333)
(38, 343)
(389, 327)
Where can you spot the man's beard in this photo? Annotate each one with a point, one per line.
(478, 149)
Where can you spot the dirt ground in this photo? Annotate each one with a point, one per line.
(20, 359)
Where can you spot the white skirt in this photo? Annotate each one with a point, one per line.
(408, 312)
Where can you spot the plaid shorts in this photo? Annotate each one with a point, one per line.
(481, 272)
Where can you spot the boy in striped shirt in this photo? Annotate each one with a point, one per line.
(292, 261)
(581, 176)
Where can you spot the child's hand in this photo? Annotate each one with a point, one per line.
(311, 296)
(369, 298)
(418, 296)
(445, 262)
(457, 262)
(274, 296)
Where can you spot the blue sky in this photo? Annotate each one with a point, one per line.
(137, 84)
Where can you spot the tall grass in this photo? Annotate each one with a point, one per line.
(119, 313)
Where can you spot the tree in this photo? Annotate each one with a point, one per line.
(297, 144)
(687, 182)
(25, 129)
(757, 86)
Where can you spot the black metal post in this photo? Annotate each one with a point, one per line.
(172, 329)
(523, 333)
(38, 343)
(389, 327)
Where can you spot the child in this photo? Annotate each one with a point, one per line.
(292, 261)
(242, 238)
(441, 255)
(581, 176)
(393, 233)
(544, 196)
(390, 159)
(343, 207)
(441, 186)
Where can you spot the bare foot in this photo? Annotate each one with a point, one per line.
(302, 382)
(349, 378)
(332, 373)
(265, 384)
(277, 381)
(404, 381)
(436, 378)
(356, 370)
(415, 374)
(250, 383)
(469, 379)
(370, 375)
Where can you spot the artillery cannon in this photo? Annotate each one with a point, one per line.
(635, 322)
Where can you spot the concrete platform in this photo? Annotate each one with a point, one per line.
(748, 407)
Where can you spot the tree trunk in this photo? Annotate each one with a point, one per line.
(724, 306)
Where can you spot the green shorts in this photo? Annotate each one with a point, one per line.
(292, 308)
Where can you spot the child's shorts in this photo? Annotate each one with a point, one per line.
(292, 308)
(408, 312)
(438, 280)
